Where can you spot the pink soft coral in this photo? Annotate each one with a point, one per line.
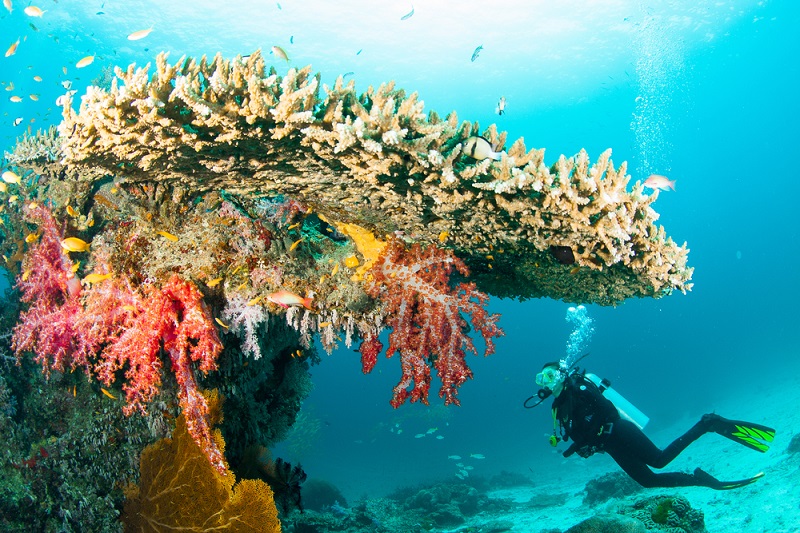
(112, 326)
(424, 312)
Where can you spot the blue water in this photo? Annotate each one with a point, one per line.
(704, 92)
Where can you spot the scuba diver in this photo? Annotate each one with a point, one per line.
(583, 411)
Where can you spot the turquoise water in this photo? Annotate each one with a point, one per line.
(703, 92)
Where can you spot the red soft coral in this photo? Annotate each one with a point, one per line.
(112, 326)
(424, 312)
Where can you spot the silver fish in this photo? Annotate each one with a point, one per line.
(476, 52)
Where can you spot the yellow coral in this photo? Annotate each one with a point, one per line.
(179, 490)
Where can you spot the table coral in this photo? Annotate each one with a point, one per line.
(379, 161)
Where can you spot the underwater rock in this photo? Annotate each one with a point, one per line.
(794, 445)
(319, 494)
(609, 524)
(612, 485)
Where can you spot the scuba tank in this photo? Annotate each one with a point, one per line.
(626, 409)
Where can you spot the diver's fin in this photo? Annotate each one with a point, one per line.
(745, 433)
(707, 480)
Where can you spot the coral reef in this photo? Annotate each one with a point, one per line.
(378, 161)
(179, 490)
(673, 514)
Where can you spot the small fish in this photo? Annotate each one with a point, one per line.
(3, 188)
(408, 15)
(108, 394)
(662, 183)
(254, 301)
(280, 53)
(67, 84)
(214, 282)
(293, 226)
(7, 4)
(15, 99)
(221, 323)
(479, 148)
(26, 275)
(168, 236)
(34, 28)
(454, 457)
(84, 62)
(476, 53)
(95, 278)
(432, 430)
(64, 70)
(31, 237)
(10, 86)
(501, 106)
(288, 299)
(443, 236)
(419, 435)
(74, 244)
(335, 269)
(37, 78)
(74, 390)
(296, 243)
(140, 34)
(10, 177)
(477, 456)
(291, 39)
(359, 51)
(34, 97)
(129, 308)
(71, 212)
(324, 324)
(439, 437)
(18, 121)
(74, 268)
(33, 11)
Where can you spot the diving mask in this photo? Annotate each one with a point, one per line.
(549, 378)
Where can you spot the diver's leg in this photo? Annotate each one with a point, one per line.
(632, 442)
(639, 472)
(678, 445)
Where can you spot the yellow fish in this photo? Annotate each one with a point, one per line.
(129, 308)
(443, 236)
(85, 62)
(31, 237)
(74, 268)
(324, 324)
(95, 278)
(168, 236)
(221, 323)
(11, 51)
(37, 78)
(296, 243)
(34, 97)
(141, 34)
(7, 4)
(33, 11)
(74, 244)
(280, 53)
(3, 187)
(26, 274)
(71, 212)
(108, 394)
(254, 301)
(335, 269)
(214, 282)
(10, 177)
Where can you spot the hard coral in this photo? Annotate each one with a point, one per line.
(424, 312)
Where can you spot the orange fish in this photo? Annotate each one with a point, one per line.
(662, 183)
(12, 49)
(288, 299)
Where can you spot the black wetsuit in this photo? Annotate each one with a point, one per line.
(593, 424)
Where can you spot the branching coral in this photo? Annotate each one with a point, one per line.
(424, 312)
